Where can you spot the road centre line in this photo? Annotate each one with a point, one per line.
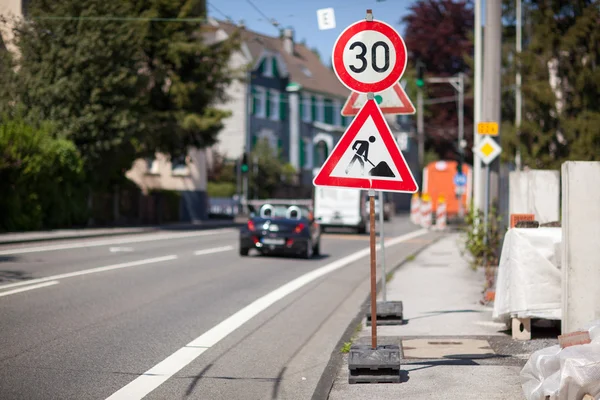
(38, 286)
(161, 372)
(91, 271)
(106, 242)
(213, 250)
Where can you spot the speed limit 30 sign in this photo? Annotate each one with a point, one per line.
(369, 56)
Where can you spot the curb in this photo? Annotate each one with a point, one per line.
(335, 360)
(125, 232)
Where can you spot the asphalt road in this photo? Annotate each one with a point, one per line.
(176, 315)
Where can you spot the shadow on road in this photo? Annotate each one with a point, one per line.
(12, 276)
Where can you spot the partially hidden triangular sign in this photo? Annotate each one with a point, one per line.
(391, 101)
(367, 157)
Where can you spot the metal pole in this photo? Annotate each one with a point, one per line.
(486, 205)
(255, 168)
(382, 244)
(461, 131)
(420, 130)
(247, 149)
(373, 270)
(477, 181)
(518, 95)
(492, 74)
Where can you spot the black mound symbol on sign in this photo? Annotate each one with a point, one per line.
(383, 170)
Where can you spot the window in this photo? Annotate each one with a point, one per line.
(268, 71)
(306, 72)
(337, 113)
(274, 105)
(259, 101)
(179, 166)
(152, 166)
(320, 109)
(306, 108)
(306, 153)
(328, 111)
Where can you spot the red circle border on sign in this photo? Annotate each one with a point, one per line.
(338, 59)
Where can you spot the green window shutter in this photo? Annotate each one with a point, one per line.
(268, 110)
(261, 67)
(254, 140)
(328, 111)
(302, 158)
(254, 99)
(313, 102)
(274, 66)
(301, 107)
(282, 106)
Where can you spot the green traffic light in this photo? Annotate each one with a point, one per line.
(244, 168)
(420, 82)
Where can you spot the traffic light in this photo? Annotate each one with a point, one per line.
(244, 166)
(420, 74)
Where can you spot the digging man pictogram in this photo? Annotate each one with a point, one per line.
(361, 147)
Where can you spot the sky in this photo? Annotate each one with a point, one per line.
(301, 15)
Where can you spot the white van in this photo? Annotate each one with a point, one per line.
(341, 208)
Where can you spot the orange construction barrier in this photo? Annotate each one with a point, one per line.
(440, 214)
(426, 217)
(415, 209)
(438, 179)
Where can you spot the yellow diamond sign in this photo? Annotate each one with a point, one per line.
(488, 150)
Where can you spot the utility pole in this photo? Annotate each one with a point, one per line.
(420, 129)
(477, 181)
(518, 96)
(491, 79)
(249, 102)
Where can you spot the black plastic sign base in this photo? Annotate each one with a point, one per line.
(388, 313)
(368, 365)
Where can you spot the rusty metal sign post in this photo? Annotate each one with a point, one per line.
(373, 269)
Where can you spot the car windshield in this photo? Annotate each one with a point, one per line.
(283, 211)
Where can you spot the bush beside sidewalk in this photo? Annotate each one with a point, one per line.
(451, 347)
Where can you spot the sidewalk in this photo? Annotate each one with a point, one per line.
(450, 347)
(62, 234)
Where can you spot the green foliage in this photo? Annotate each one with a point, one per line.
(41, 178)
(120, 89)
(83, 76)
(185, 77)
(220, 189)
(561, 123)
(346, 347)
(272, 172)
(484, 253)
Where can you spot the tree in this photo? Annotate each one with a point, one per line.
(561, 80)
(438, 33)
(185, 76)
(82, 76)
(118, 88)
(272, 172)
(41, 178)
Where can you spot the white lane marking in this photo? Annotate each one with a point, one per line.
(157, 375)
(118, 249)
(107, 242)
(91, 271)
(213, 250)
(41, 285)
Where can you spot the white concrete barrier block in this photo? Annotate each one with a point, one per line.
(535, 192)
(580, 245)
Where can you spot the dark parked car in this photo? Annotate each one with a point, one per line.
(281, 228)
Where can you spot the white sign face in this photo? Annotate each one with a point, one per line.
(369, 56)
(488, 150)
(367, 152)
(326, 18)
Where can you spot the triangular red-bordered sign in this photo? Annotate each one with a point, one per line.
(401, 102)
(404, 183)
